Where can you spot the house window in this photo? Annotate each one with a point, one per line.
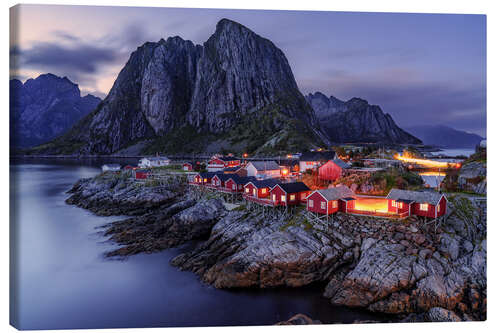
(323, 205)
(292, 197)
(234, 187)
(424, 207)
(274, 197)
(247, 190)
(255, 192)
(393, 203)
(439, 208)
(264, 190)
(311, 203)
(334, 204)
(283, 198)
(205, 180)
(400, 205)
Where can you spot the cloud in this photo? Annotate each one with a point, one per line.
(79, 58)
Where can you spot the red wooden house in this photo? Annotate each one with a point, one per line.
(235, 183)
(219, 163)
(331, 200)
(141, 173)
(259, 191)
(187, 166)
(420, 203)
(332, 170)
(289, 194)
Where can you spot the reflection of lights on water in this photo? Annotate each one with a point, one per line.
(427, 163)
(432, 173)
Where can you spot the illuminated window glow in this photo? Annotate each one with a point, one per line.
(311, 203)
(292, 197)
(424, 207)
(283, 198)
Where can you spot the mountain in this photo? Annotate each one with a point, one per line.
(235, 92)
(444, 136)
(356, 121)
(44, 108)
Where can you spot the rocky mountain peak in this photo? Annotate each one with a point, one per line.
(356, 121)
(45, 107)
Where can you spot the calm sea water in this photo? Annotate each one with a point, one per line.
(452, 152)
(60, 279)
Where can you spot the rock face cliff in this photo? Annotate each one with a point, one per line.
(45, 107)
(356, 121)
(172, 90)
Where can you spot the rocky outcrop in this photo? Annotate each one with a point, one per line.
(356, 121)
(167, 227)
(403, 275)
(299, 319)
(111, 194)
(174, 89)
(413, 269)
(256, 252)
(44, 108)
(472, 177)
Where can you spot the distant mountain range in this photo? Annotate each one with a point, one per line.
(356, 121)
(235, 93)
(444, 136)
(43, 108)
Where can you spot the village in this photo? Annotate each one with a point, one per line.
(319, 182)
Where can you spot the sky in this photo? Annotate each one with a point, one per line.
(420, 68)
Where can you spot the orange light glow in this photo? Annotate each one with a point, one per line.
(245, 155)
(284, 172)
(378, 205)
(426, 163)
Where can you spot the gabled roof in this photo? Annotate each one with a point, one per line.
(335, 193)
(222, 176)
(264, 183)
(209, 174)
(241, 180)
(341, 163)
(293, 187)
(318, 156)
(416, 196)
(264, 165)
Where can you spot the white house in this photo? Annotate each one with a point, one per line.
(150, 162)
(263, 169)
(110, 167)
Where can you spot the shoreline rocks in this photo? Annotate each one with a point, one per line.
(408, 268)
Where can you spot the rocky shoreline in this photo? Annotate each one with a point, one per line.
(411, 269)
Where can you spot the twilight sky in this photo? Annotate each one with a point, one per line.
(420, 68)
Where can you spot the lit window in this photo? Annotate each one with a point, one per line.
(424, 207)
(264, 190)
(205, 180)
(439, 208)
(400, 205)
(311, 203)
(283, 198)
(255, 192)
(334, 204)
(274, 197)
(393, 202)
(247, 190)
(323, 205)
(292, 197)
